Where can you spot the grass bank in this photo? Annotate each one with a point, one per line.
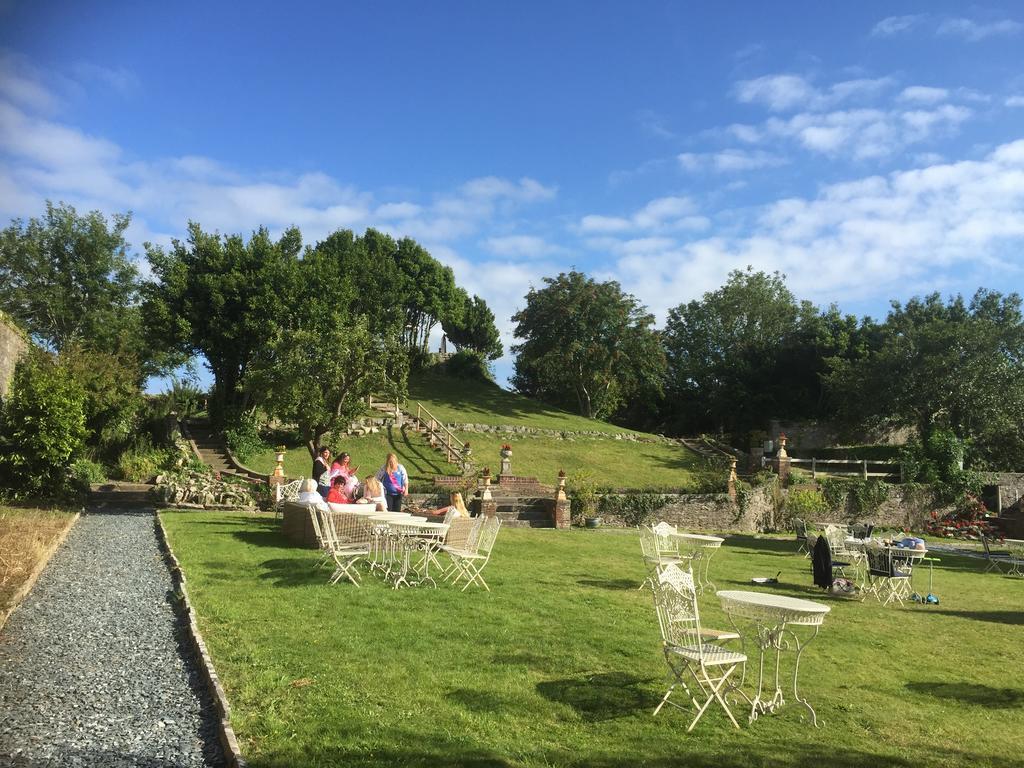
(560, 663)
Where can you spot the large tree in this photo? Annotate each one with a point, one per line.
(749, 351)
(955, 365)
(473, 328)
(586, 345)
(223, 297)
(68, 280)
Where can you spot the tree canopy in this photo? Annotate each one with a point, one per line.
(952, 365)
(473, 328)
(587, 345)
(68, 280)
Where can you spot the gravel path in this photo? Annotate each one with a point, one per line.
(95, 669)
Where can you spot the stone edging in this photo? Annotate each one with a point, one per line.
(30, 582)
(228, 740)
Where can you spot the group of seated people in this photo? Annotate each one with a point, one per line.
(338, 483)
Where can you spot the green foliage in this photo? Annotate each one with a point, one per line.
(85, 472)
(183, 397)
(68, 281)
(805, 504)
(42, 424)
(223, 297)
(941, 366)
(850, 452)
(243, 436)
(938, 462)
(142, 462)
(473, 329)
(467, 364)
(583, 496)
(859, 496)
(190, 486)
(587, 345)
(632, 508)
(747, 350)
(114, 405)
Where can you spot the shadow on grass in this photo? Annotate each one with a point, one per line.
(764, 546)
(291, 572)
(272, 537)
(1015, 618)
(614, 584)
(604, 696)
(971, 693)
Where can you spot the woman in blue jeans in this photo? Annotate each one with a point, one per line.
(395, 480)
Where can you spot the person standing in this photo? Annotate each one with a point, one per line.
(395, 480)
(321, 467)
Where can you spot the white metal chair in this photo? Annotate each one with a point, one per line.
(289, 492)
(994, 558)
(348, 537)
(886, 577)
(471, 564)
(685, 648)
(321, 539)
(658, 548)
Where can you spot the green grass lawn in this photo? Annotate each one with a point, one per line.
(611, 463)
(560, 663)
(468, 401)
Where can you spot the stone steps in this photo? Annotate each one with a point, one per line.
(120, 494)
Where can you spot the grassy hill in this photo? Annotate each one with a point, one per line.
(653, 463)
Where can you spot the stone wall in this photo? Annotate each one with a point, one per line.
(12, 345)
(713, 512)
(1009, 488)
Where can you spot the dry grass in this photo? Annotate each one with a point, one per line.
(25, 537)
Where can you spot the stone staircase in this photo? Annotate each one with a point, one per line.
(120, 494)
(209, 445)
(523, 511)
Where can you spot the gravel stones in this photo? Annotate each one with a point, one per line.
(95, 667)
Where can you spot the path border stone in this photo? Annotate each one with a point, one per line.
(228, 740)
(33, 577)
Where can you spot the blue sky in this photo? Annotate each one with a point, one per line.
(870, 151)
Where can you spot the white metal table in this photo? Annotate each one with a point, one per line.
(774, 618)
(700, 547)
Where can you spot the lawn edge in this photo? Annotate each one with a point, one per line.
(228, 740)
(24, 589)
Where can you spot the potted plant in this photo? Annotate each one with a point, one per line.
(583, 493)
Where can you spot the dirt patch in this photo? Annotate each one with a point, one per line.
(27, 537)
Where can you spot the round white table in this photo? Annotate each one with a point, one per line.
(699, 547)
(774, 617)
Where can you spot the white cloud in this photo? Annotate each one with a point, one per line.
(893, 25)
(785, 92)
(526, 246)
(867, 237)
(1015, 101)
(492, 187)
(924, 94)
(661, 214)
(974, 31)
(729, 160)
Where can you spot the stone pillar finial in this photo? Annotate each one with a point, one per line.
(485, 493)
(782, 447)
(562, 517)
(731, 483)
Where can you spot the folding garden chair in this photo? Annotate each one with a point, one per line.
(844, 557)
(321, 539)
(289, 492)
(659, 548)
(460, 541)
(685, 649)
(994, 558)
(800, 527)
(348, 536)
(472, 564)
(886, 578)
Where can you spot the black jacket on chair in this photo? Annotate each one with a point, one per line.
(821, 563)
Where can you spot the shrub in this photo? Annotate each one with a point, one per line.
(583, 496)
(143, 461)
(85, 472)
(467, 364)
(805, 504)
(243, 437)
(42, 425)
(968, 520)
(632, 508)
